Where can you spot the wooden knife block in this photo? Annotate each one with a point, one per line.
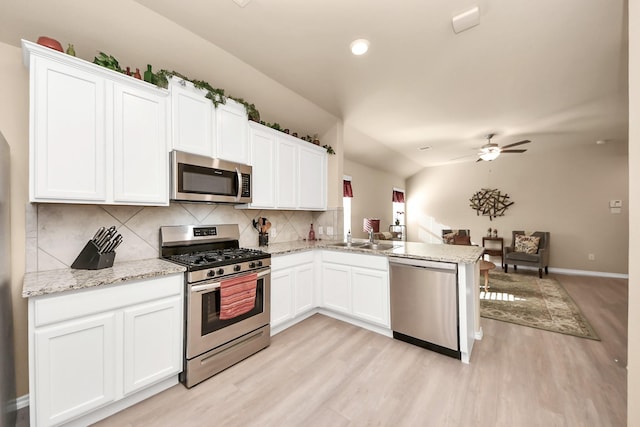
(90, 259)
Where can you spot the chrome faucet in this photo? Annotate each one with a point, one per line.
(371, 236)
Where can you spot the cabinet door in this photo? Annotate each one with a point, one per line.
(312, 174)
(286, 173)
(192, 120)
(263, 152)
(232, 132)
(75, 368)
(141, 163)
(304, 290)
(67, 138)
(370, 295)
(336, 287)
(152, 343)
(281, 296)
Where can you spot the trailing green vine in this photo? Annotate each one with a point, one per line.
(216, 95)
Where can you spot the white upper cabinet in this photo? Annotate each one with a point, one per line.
(200, 128)
(288, 173)
(263, 157)
(192, 119)
(312, 177)
(67, 143)
(96, 136)
(232, 132)
(140, 168)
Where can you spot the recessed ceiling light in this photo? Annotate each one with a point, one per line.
(601, 141)
(359, 47)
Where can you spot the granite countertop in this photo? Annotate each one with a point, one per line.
(416, 250)
(67, 279)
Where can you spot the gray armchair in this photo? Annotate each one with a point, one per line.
(539, 259)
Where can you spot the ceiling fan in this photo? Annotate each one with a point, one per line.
(491, 151)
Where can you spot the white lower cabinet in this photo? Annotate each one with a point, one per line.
(353, 287)
(94, 347)
(75, 368)
(370, 295)
(152, 332)
(292, 287)
(336, 282)
(356, 285)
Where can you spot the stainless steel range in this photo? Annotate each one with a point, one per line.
(228, 294)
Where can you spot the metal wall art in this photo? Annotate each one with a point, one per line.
(490, 202)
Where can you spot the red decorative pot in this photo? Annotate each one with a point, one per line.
(51, 43)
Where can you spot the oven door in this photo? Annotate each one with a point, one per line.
(205, 330)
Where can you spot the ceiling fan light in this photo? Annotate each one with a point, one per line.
(490, 153)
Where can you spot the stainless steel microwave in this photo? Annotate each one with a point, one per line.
(197, 178)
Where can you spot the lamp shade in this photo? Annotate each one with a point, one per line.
(369, 224)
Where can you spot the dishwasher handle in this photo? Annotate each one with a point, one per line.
(423, 263)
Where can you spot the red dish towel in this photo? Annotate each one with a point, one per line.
(237, 296)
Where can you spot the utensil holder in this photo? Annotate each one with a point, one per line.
(91, 259)
(263, 239)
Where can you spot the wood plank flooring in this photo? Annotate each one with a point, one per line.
(323, 372)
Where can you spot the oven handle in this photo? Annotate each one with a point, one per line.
(216, 284)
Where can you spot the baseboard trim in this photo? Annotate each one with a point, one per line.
(22, 402)
(572, 272)
(479, 334)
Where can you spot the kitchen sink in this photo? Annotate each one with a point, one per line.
(347, 244)
(376, 246)
(363, 245)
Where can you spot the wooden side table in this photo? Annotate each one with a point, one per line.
(496, 248)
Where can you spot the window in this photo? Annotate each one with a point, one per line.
(347, 195)
(397, 199)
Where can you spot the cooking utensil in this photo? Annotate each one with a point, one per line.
(98, 234)
(112, 244)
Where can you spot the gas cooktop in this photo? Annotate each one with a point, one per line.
(217, 258)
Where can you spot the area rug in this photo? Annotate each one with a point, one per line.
(529, 301)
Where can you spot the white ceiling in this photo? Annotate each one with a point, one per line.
(554, 72)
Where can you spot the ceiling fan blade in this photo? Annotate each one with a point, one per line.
(526, 141)
(512, 151)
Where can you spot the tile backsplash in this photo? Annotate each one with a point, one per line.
(56, 233)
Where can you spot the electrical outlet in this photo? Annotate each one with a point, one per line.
(273, 232)
(320, 230)
(592, 257)
(329, 230)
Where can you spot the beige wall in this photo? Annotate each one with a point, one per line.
(566, 194)
(371, 196)
(633, 378)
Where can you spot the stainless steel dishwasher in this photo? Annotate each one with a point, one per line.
(424, 304)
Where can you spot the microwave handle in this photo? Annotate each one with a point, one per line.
(239, 187)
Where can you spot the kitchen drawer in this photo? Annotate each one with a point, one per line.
(69, 305)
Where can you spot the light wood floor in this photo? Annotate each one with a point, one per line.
(323, 372)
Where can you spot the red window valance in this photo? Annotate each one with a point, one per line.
(347, 191)
(398, 196)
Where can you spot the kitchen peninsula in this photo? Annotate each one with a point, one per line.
(362, 274)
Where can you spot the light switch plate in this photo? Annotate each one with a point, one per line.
(329, 231)
(615, 203)
(320, 230)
